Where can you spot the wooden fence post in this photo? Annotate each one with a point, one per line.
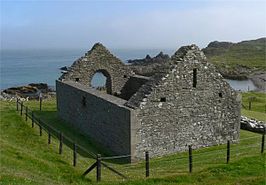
(60, 143)
(147, 159)
(190, 158)
(21, 108)
(40, 129)
(32, 119)
(74, 154)
(98, 170)
(228, 152)
(40, 103)
(17, 104)
(262, 142)
(26, 114)
(49, 137)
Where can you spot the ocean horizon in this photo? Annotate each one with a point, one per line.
(21, 67)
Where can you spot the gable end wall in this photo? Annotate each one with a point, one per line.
(189, 116)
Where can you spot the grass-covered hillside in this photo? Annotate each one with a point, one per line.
(258, 105)
(240, 58)
(26, 158)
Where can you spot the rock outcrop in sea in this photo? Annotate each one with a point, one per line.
(30, 91)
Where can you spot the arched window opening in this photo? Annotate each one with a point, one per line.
(101, 81)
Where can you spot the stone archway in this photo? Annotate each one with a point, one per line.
(108, 83)
(99, 59)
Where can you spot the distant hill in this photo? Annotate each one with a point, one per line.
(238, 60)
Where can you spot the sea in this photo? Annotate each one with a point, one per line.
(24, 66)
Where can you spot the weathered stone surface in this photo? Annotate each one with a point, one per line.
(186, 102)
(132, 86)
(98, 115)
(253, 125)
(172, 114)
(99, 59)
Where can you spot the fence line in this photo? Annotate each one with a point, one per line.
(48, 128)
(116, 157)
(168, 160)
(149, 165)
(248, 146)
(255, 137)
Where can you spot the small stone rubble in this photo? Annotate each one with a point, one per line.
(253, 125)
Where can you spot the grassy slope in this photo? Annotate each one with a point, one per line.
(258, 108)
(247, 53)
(27, 159)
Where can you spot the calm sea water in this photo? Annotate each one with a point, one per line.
(242, 85)
(21, 67)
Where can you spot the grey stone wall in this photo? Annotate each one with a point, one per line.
(99, 59)
(173, 114)
(186, 103)
(100, 116)
(132, 86)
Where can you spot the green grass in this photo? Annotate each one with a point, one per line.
(258, 105)
(258, 101)
(250, 54)
(26, 158)
(49, 115)
(254, 115)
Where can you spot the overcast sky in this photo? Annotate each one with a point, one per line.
(129, 24)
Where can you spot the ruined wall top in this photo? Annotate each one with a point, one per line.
(184, 60)
(188, 53)
(99, 59)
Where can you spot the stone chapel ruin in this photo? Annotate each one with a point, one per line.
(160, 106)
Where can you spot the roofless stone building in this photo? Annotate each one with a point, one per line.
(185, 101)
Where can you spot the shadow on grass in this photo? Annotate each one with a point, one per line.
(85, 146)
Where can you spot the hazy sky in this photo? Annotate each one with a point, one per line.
(129, 24)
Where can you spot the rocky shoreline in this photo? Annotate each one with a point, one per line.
(259, 80)
(258, 77)
(28, 92)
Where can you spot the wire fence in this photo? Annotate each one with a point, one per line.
(149, 167)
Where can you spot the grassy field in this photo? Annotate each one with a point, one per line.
(26, 158)
(258, 105)
(250, 54)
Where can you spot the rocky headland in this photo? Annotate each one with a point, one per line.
(240, 61)
(27, 92)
